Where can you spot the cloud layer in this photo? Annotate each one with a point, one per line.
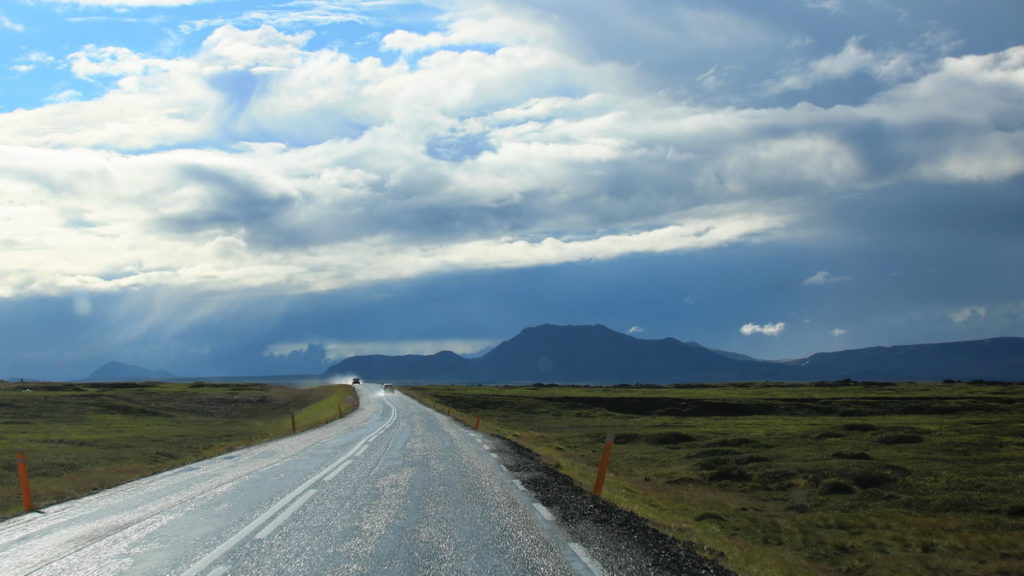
(260, 162)
(289, 149)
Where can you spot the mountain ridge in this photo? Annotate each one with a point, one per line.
(595, 354)
(118, 371)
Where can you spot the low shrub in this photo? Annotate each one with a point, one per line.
(852, 456)
(834, 486)
(900, 438)
(730, 475)
(1016, 511)
(665, 438)
(712, 516)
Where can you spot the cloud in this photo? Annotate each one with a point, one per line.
(635, 329)
(260, 161)
(766, 329)
(130, 3)
(822, 278)
(9, 24)
(833, 6)
(968, 313)
(337, 350)
(837, 332)
(891, 66)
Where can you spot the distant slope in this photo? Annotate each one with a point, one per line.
(571, 354)
(598, 355)
(990, 359)
(411, 367)
(119, 372)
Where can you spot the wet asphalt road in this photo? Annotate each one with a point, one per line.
(392, 489)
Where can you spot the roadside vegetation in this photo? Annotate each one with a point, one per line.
(80, 438)
(781, 479)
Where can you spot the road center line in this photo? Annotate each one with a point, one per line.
(337, 471)
(284, 515)
(230, 543)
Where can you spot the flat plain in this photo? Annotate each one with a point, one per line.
(780, 478)
(80, 438)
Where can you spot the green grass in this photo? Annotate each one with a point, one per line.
(779, 479)
(80, 438)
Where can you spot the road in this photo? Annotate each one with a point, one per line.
(393, 488)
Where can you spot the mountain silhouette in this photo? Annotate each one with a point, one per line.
(990, 359)
(596, 354)
(409, 367)
(119, 372)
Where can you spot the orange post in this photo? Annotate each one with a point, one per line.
(293, 422)
(602, 468)
(449, 410)
(477, 427)
(26, 493)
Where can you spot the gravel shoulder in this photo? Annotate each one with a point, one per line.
(622, 542)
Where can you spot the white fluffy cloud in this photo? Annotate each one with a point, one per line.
(968, 313)
(261, 162)
(823, 277)
(766, 329)
(853, 59)
(9, 24)
(129, 3)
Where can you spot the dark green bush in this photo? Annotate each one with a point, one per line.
(836, 486)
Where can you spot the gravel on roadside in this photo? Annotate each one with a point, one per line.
(622, 542)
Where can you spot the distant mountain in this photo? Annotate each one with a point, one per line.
(990, 359)
(411, 367)
(571, 354)
(598, 355)
(119, 372)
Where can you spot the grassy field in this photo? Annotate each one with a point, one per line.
(781, 479)
(80, 438)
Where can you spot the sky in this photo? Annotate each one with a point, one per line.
(229, 187)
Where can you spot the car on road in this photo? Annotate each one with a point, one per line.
(388, 388)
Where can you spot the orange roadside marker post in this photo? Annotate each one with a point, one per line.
(26, 492)
(477, 427)
(293, 422)
(602, 468)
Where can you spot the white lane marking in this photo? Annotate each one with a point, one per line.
(544, 512)
(519, 484)
(337, 471)
(285, 515)
(230, 543)
(493, 455)
(586, 559)
(218, 571)
(504, 468)
(360, 453)
(486, 446)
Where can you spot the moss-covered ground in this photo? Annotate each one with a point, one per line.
(80, 438)
(781, 479)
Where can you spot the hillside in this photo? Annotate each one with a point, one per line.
(120, 372)
(596, 354)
